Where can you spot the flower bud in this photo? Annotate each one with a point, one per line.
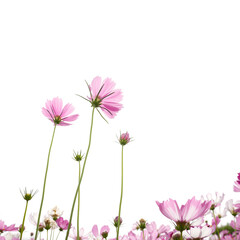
(115, 223)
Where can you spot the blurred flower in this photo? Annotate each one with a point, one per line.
(200, 232)
(28, 196)
(232, 208)
(157, 232)
(73, 235)
(49, 223)
(115, 221)
(124, 138)
(55, 213)
(5, 228)
(104, 96)
(78, 156)
(103, 232)
(58, 114)
(192, 210)
(236, 224)
(62, 224)
(215, 201)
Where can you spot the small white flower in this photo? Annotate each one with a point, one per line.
(200, 232)
(217, 200)
(55, 212)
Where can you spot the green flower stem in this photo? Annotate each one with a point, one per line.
(80, 180)
(120, 204)
(181, 237)
(78, 238)
(24, 216)
(44, 185)
(143, 234)
(217, 231)
(58, 235)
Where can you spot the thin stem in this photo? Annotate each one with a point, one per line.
(143, 234)
(120, 204)
(47, 234)
(44, 185)
(24, 216)
(58, 235)
(51, 234)
(79, 175)
(181, 238)
(80, 180)
(217, 231)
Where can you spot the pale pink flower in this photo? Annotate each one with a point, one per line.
(58, 114)
(104, 96)
(201, 232)
(236, 187)
(236, 224)
(217, 200)
(155, 232)
(103, 232)
(5, 228)
(233, 208)
(73, 235)
(192, 210)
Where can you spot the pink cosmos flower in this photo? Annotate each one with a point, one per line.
(5, 228)
(74, 234)
(58, 114)
(124, 138)
(193, 209)
(103, 232)
(201, 232)
(155, 232)
(62, 224)
(236, 186)
(236, 224)
(104, 96)
(215, 201)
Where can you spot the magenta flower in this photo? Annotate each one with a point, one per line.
(124, 138)
(62, 224)
(58, 114)
(104, 96)
(236, 186)
(193, 209)
(5, 228)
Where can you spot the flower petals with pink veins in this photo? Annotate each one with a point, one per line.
(193, 209)
(58, 114)
(106, 97)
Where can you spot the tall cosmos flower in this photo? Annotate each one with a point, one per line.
(104, 96)
(192, 210)
(58, 114)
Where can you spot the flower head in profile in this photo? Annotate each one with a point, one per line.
(236, 186)
(58, 114)
(103, 232)
(192, 210)
(104, 96)
(5, 228)
(124, 138)
(62, 224)
(28, 195)
(73, 235)
(55, 213)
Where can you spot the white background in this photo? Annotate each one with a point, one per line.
(177, 63)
